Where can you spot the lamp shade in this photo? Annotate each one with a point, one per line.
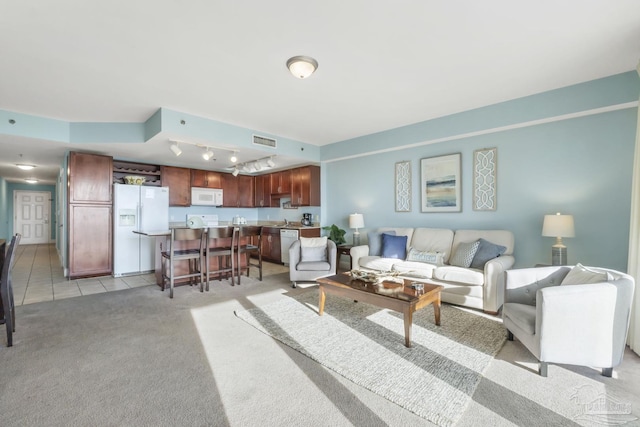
(356, 220)
(302, 66)
(558, 226)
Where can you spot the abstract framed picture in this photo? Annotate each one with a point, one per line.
(440, 184)
(485, 166)
(403, 186)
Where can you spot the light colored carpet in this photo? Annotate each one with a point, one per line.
(435, 379)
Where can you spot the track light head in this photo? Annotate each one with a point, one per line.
(270, 162)
(233, 158)
(176, 150)
(208, 154)
(235, 172)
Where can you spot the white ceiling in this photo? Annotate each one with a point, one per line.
(381, 64)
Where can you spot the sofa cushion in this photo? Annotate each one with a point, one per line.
(376, 263)
(468, 276)
(433, 240)
(394, 246)
(375, 241)
(581, 275)
(422, 270)
(523, 315)
(425, 256)
(486, 251)
(464, 254)
(313, 249)
(313, 266)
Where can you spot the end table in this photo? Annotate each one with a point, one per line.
(345, 250)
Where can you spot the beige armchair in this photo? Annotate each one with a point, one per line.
(312, 258)
(578, 320)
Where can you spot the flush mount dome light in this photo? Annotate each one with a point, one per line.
(31, 180)
(302, 66)
(25, 167)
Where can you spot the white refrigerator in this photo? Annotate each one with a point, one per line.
(137, 208)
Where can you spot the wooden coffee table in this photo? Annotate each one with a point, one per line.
(393, 296)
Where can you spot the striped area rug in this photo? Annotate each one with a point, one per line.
(435, 379)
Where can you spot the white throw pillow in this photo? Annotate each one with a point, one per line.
(313, 249)
(425, 256)
(581, 275)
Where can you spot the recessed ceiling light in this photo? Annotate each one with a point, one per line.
(25, 167)
(31, 180)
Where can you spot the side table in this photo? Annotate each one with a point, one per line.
(345, 250)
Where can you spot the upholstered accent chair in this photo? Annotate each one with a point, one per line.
(574, 316)
(312, 258)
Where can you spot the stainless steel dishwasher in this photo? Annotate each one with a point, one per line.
(287, 237)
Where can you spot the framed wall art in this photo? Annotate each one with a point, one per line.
(403, 186)
(440, 184)
(485, 165)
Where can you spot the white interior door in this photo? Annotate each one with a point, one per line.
(31, 211)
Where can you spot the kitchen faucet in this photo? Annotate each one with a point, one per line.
(286, 222)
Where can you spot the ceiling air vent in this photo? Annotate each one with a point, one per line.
(263, 140)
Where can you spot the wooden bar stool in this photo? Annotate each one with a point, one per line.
(193, 241)
(220, 246)
(252, 236)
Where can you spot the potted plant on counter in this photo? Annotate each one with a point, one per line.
(336, 234)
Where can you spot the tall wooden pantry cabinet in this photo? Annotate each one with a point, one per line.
(90, 197)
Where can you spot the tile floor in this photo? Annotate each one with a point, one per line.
(37, 277)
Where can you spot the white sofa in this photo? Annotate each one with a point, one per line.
(471, 287)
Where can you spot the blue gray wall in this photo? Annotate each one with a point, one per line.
(569, 150)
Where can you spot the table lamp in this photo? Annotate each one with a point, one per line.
(558, 226)
(356, 221)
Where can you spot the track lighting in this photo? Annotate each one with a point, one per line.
(270, 162)
(233, 158)
(235, 172)
(208, 154)
(176, 150)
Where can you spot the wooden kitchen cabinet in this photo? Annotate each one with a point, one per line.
(90, 178)
(281, 182)
(206, 179)
(270, 247)
(305, 186)
(90, 240)
(179, 182)
(262, 191)
(238, 191)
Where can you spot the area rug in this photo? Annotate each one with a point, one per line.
(434, 379)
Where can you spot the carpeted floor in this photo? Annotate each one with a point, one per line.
(435, 378)
(136, 358)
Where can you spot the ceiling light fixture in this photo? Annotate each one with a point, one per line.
(233, 158)
(31, 180)
(302, 66)
(25, 167)
(270, 162)
(256, 165)
(235, 172)
(208, 154)
(176, 150)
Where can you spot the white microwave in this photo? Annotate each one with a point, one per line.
(206, 196)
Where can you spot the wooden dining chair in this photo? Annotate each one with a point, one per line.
(249, 241)
(7, 309)
(191, 242)
(219, 259)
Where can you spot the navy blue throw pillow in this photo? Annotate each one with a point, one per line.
(375, 241)
(394, 246)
